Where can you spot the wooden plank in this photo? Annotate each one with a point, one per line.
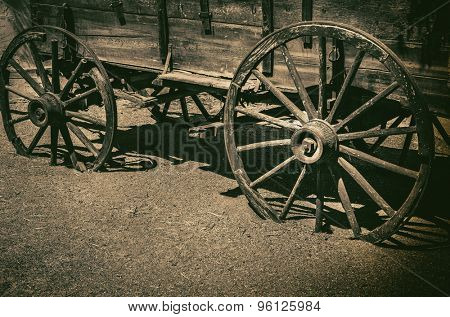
(230, 11)
(380, 18)
(385, 20)
(96, 23)
(220, 54)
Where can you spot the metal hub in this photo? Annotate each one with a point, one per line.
(315, 142)
(47, 109)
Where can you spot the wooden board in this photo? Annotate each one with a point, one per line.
(237, 27)
(383, 19)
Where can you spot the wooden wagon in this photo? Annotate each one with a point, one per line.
(339, 111)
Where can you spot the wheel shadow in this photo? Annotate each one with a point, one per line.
(145, 147)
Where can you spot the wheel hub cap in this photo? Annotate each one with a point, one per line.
(315, 142)
(47, 109)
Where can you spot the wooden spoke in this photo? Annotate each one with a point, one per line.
(19, 120)
(406, 143)
(36, 139)
(166, 108)
(319, 200)
(272, 172)
(69, 145)
(322, 76)
(55, 67)
(17, 92)
(264, 144)
(378, 162)
(22, 72)
(269, 119)
(54, 132)
(303, 94)
(365, 185)
(298, 114)
(376, 133)
(80, 96)
(201, 107)
(405, 149)
(386, 92)
(345, 199)
(86, 117)
(347, 83)
(82, 137)
(293, 193)
(40, 67)
(184, 109)
(167, 104)
(13, 111)
(76, 73)
(380, 140)
(440, 128)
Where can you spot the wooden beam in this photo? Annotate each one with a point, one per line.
(163, 23)
(268, 27)
(307, 13)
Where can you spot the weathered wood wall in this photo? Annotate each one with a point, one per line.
(237, 27)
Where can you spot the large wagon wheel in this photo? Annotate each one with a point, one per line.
(65, 90)
(336, 151)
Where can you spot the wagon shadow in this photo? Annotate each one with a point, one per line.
(145, 145)
(430, 227)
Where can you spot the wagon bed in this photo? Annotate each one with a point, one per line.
(236, 26)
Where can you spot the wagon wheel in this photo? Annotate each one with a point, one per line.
(64, 90)
(337, 152)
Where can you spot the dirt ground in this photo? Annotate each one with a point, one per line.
(168, 225)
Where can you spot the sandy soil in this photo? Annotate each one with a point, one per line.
(171, 226)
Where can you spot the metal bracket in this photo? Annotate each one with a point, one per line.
(337, 59)
(205, 15)
(67, 22)
(117, 6)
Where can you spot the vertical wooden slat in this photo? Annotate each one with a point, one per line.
(163, 23)
(322, 76)
(307, 12)
(205, 15)
(268, 27)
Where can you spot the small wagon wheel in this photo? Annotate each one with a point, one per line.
(51, 81)
(333, 151)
